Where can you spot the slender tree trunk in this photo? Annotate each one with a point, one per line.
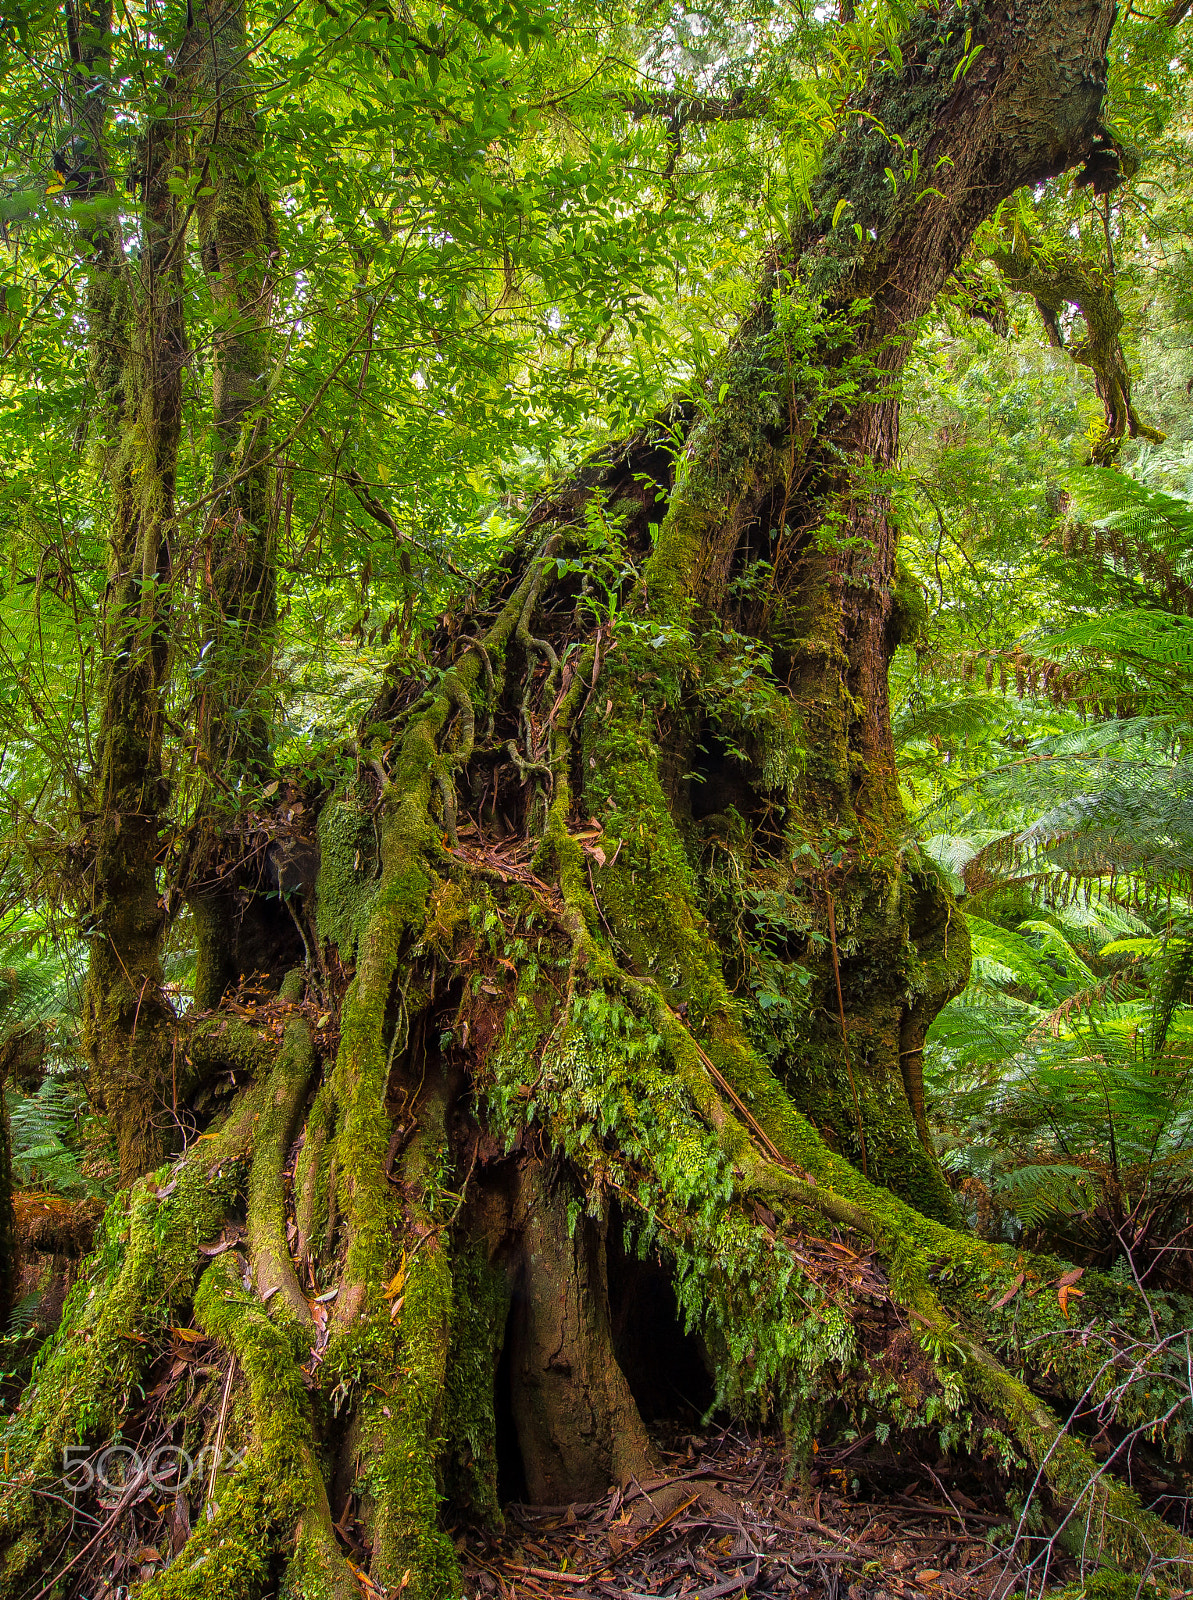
(138, 350)
(238, 245)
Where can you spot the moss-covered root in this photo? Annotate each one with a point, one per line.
(313, 1179)
(1104, 1520)
(407, 1331)
(285, 1093)
(139, 1279)
(271, 1508)
(1103, 1515)
(393, 1371)
(390, 1348)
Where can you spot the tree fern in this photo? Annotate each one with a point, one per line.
(1062, 1076)
(38, 981)
(1140, 528)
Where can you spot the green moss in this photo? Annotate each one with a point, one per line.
(909, 610)
(649, 897)
(220, 1044)
(400, 1474)
(447, 913)
(215, 947)
(139, 1280)
(1110, 1584)
(313, 1174)
(648, 893)
(285, 1094)
(257, 1505)
(347, 879)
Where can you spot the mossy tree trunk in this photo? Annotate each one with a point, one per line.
(778, 527)
(137, 341)
(635, 940)
(238, 244)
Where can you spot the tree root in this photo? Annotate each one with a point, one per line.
(285, 1092)
(276, 1492)
(670, 1112)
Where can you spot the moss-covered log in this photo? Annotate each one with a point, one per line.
(632, 937)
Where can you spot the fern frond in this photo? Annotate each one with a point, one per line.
(998, 951)
(1172, 980)
(1138, 528)
(23, 1315)
(43, 1130)
(949, 722)
(1038, 1191)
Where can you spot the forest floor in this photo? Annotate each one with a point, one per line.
(722, 1519)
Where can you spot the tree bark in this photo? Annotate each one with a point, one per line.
(238, 244)
(138, 348)
(578, 1426)
(783, 468)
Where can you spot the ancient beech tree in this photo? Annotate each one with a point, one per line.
(656, 758)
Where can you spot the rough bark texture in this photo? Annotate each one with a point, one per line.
(654, 777)
(138, 351)
(238, 247)
(785, 470)
(578, 1426)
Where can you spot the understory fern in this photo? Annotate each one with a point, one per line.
(39, 989)
(45, 1131)
(1062, 1078)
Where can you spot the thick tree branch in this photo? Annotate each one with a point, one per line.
(1059, 279)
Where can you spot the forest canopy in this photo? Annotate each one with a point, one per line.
(596, 637)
